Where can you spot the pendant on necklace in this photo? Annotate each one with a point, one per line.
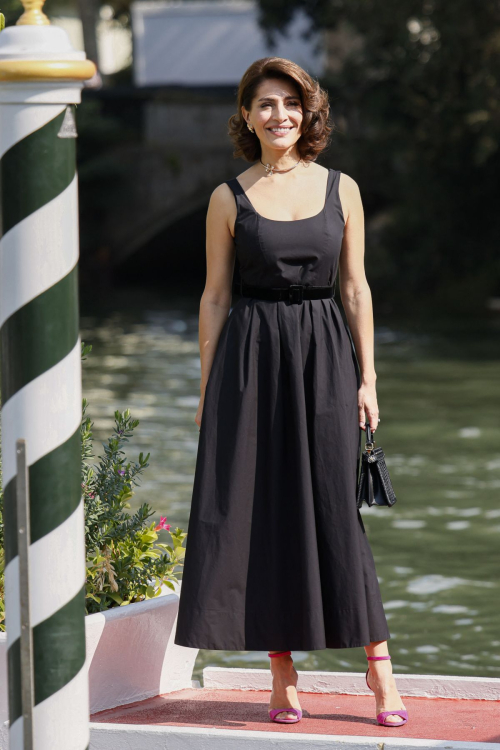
(269, 169)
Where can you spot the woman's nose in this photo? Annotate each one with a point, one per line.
(281, 113)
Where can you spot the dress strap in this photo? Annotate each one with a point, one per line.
(235, 187)
(239, 196)
(333, 181)
(337, 194)
(330, 183)
(333, 195)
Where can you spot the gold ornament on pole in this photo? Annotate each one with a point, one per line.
(74, 67)
(33, 14)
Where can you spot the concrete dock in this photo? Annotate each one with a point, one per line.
(233, 713)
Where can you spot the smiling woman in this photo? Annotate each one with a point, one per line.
(277, 555)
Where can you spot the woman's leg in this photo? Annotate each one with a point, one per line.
(382, 682)
(284, 692)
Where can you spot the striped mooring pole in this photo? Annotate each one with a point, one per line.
(41, 77)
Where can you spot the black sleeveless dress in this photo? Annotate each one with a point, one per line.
(276, 554)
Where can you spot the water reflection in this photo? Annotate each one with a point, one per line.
(436, 551)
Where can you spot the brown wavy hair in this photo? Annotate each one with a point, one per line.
(316, 124)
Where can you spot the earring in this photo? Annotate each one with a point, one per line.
(250, 127)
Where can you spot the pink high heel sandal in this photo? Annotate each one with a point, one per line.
(382, 716)
(273, 712)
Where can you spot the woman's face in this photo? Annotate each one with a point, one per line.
(276, 113)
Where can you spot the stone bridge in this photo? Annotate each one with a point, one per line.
(155, 209)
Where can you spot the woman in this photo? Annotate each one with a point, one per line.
(277, 557)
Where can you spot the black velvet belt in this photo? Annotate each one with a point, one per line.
(293, 293)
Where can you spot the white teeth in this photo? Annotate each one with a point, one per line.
(279, 130)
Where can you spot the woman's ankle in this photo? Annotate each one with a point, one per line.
(377, 648)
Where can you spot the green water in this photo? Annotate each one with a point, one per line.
(437, 550)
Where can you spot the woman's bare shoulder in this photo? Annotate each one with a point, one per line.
(222, 208)
(221, 197)
(350, 197)
(348, 184)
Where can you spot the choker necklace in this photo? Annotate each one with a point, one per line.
(270, 169)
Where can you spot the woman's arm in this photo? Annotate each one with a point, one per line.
(215, 301)
(356, 297)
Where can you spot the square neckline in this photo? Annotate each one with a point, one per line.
(289, 221)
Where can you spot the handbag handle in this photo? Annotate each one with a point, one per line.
(370, 438)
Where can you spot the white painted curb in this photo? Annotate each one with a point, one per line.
(131, 654)
(353, 683)
(134, 737)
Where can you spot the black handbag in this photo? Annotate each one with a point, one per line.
(374, 484)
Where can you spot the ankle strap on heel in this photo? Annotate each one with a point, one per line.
(377, 658)
(280, 653)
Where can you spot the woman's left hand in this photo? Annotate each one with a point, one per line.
(368, 407)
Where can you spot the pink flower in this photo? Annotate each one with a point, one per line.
(162, 524)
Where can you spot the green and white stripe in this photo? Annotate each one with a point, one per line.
(41, 402)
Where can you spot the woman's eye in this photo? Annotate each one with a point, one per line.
(268, 104)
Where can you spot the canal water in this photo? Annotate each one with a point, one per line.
(437, 550)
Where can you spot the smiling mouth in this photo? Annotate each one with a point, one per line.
(280, 130)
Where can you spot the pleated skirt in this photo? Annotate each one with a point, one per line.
(277, 556)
